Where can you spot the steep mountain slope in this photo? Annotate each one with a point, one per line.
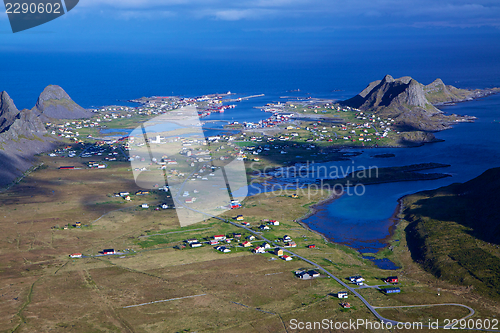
(22, 135)
(410, 103)
(454, 232)
(15, 124)
(8, 111)
(54, 102)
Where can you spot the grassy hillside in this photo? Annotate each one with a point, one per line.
(455, 232)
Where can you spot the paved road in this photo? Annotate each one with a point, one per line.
(340, 281)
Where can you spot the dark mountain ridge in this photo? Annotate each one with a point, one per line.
(454, 232)
(23, 133)
(412, 104)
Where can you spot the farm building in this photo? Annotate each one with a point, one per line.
(392, 279)
(191, 240)
(223, 249)
(195, 244)
(235, 204)
(108, 251)
(342, 294)
(214, 242)
(219, 237)
(391, 290)
(356, 279)
(141, 193)
(259, 249)
(312, 246)
(66, 168)
(75, 255)
(307, 275)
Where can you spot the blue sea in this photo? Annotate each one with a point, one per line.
(359, 221)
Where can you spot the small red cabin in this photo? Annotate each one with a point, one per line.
(392, 279)
(108, 251)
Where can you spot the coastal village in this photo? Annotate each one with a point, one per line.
(254, 255)
(294, 131)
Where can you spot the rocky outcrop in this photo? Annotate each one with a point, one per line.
(22, 135)
(54, 102)
(8, 111)
(411, 104)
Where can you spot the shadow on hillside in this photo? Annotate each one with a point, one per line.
(478, 211)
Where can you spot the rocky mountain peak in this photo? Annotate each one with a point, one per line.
(8, 111)
(54, 102)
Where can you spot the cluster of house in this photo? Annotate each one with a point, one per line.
(273, 121)
(391, 290)
(77, 225)
(357, 279)
(70, 129)
(217, 239)
(261, 249)
(105, 252)
(126, 196)
(223, 249)
(306, 274)
(96, 165)
(66, 151)
(288, 241)
(345, 305)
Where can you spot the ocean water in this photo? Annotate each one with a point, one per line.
(359, 221)
(105, 79)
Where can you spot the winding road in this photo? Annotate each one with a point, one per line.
(340, 281)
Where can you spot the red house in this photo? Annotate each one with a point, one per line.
(312, 246)
(108, 251)
(392, 279)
